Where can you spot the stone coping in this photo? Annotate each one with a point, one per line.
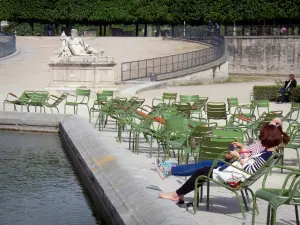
(262, 37)
(112, 179)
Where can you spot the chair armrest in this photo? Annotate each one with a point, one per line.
(286, 181)
(221, 158)
(12, 95)
(157, 99)
(146, 106)
(53, 96)
(74, 96)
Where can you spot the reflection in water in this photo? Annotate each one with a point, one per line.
(37, 183)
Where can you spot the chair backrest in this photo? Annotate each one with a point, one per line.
(60, 99)
(183, 109)
(189, 98)
(200, 131)
(178, 125)
(25, 96)
(108, 93)
(169, 98)
(294, 132)
(230, 134)
(274, 159)
(39, 97)
(232, 101)
(211, 149)
(262, 103)
(295, 106)
(169, 112)
(85, 94)
(216, 110)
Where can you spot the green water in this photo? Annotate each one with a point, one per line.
(37, 183)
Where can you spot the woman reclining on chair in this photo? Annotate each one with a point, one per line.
(270, 137)
(167, 168)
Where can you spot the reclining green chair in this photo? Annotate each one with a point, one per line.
(18, 101)
(53, 101)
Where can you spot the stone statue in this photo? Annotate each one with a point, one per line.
(75, 46)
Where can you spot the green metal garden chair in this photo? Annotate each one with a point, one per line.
(293, 114)
(288, 194)
(18, 101)
(81, 97)
(109, 94)
(167, 98)
(242, 186)
(265, 104)
(294, 131)
(98, 103)
(216, 111)
(53, 101)
(247, 110)
(232, 102)
(183, 109)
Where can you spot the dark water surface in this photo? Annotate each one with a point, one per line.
(37, 183)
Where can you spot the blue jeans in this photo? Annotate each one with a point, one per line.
(190, 169)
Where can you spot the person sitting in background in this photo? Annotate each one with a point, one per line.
(288, 85)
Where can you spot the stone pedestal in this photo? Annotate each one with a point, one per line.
(82, 71)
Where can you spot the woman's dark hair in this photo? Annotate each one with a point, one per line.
(285, 137)
(270, 136)
(292, 76)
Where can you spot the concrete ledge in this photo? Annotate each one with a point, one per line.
(30, 119)
(117, 186)
(263, 37)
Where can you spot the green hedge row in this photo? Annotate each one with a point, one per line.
(270, 92)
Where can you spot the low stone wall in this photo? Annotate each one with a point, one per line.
(117, 185)
(264, 55)
(213, 72)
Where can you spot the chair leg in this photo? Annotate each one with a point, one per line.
(241, 204)
(244, 200)
(253, 212)
(273, 217)
(252, 194)
(201, 194)
(90, 115)
(195, 199)
(298, 157)
(151, 147)
(65, 109)
(57, 110)
(297, 215)
(129, 141)
(268, 214)
(207, 195)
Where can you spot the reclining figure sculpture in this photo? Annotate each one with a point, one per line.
(75, 46)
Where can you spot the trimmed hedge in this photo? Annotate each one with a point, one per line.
(270, 92)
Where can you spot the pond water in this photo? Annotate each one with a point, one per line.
(38, 184)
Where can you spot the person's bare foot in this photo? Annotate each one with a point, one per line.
(171, 196)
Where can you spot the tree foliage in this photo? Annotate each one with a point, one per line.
(147, 11)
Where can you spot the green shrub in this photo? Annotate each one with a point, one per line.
(270, 92)
(266, 92)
